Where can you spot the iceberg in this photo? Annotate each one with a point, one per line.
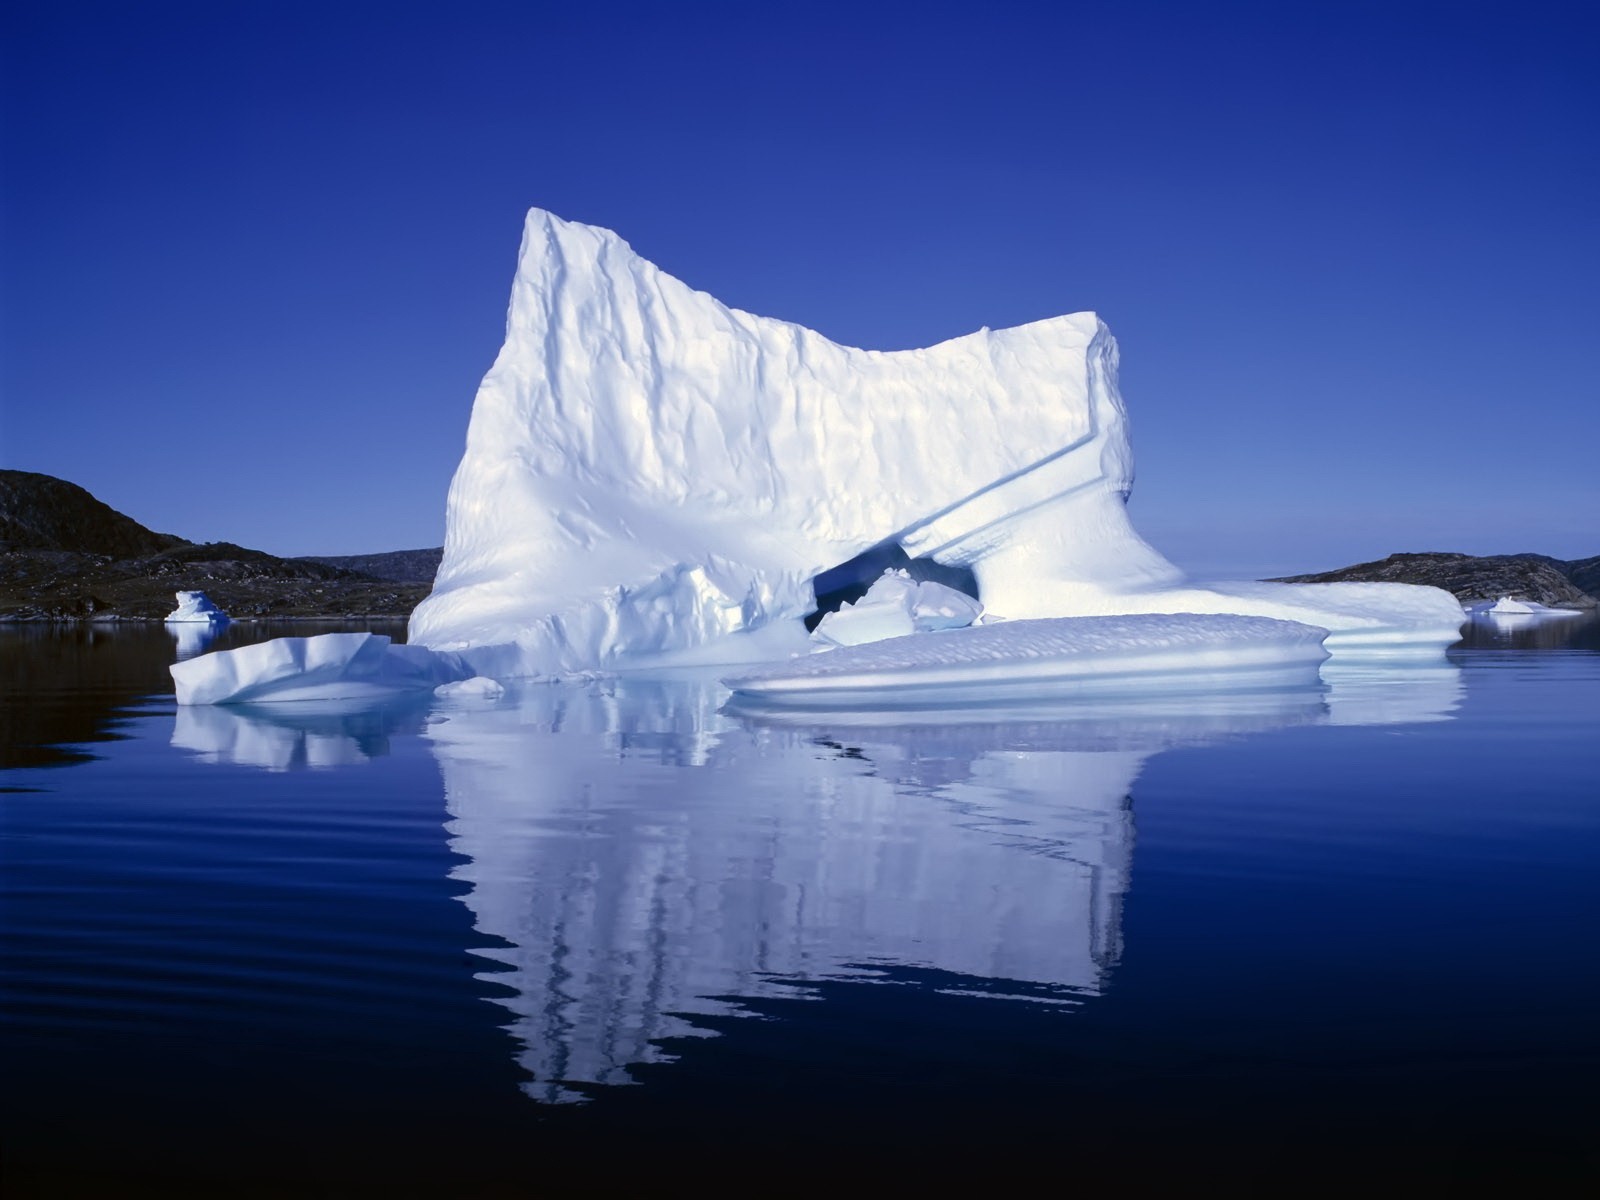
(196, 608)
(195, 623)
(654, 478)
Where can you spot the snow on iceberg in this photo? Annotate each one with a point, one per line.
(896, 606)
(649, 472)
(1059, 656)
(329, 666)
(196, 607)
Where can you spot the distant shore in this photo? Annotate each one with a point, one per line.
(68, 558)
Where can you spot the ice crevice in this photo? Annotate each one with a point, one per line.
(653, 479)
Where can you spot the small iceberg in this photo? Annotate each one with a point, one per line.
(196, 608)
(195, 623)
(1506, 607)
(1052, 656)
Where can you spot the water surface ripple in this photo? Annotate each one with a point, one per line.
(435, 947)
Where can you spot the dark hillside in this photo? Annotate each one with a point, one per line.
(1536, 577)
(401, 566)
(41, 512)
(65, 556)
(1585, 573)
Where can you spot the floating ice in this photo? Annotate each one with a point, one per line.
(477, 688)
(330, 666)
(1059, 656)
(654, 479)
(649, 473)
(895, 606)
(196, 607)
(1507, 607)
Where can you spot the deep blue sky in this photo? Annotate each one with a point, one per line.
(256, 255)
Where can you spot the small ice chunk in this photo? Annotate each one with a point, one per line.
(196, 607)
(1051, 656)
(940, 607)
(479, 687)
(896, 606)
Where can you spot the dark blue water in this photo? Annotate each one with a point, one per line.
(616, 935)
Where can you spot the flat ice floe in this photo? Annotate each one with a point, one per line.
(1051, 656)
(329, 666)
(1506, 607)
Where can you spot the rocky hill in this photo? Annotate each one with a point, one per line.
(1555, 582)
(65, 555)
(41, 512)
(402, 566)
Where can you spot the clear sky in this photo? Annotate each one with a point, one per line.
(256, 255)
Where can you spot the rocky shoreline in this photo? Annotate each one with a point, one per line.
(67, 557)
(65, 586)
(1553, 582)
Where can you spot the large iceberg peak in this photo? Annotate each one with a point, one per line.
(648, 471)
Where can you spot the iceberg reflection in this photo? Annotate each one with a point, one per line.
(1396, 693)
(641, 854)
(290, 737)
(192, 637)
(645, 857)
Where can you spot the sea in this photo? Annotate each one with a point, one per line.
(620, 934)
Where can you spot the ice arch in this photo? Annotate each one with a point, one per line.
(849, 581)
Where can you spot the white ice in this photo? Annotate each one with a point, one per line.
(652, 476)
(477, 688)
(329, 666)
(1507, 607)
(894, 606)
(1051, 656)
(196, 607)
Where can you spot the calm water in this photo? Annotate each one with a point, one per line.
(616, 933)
